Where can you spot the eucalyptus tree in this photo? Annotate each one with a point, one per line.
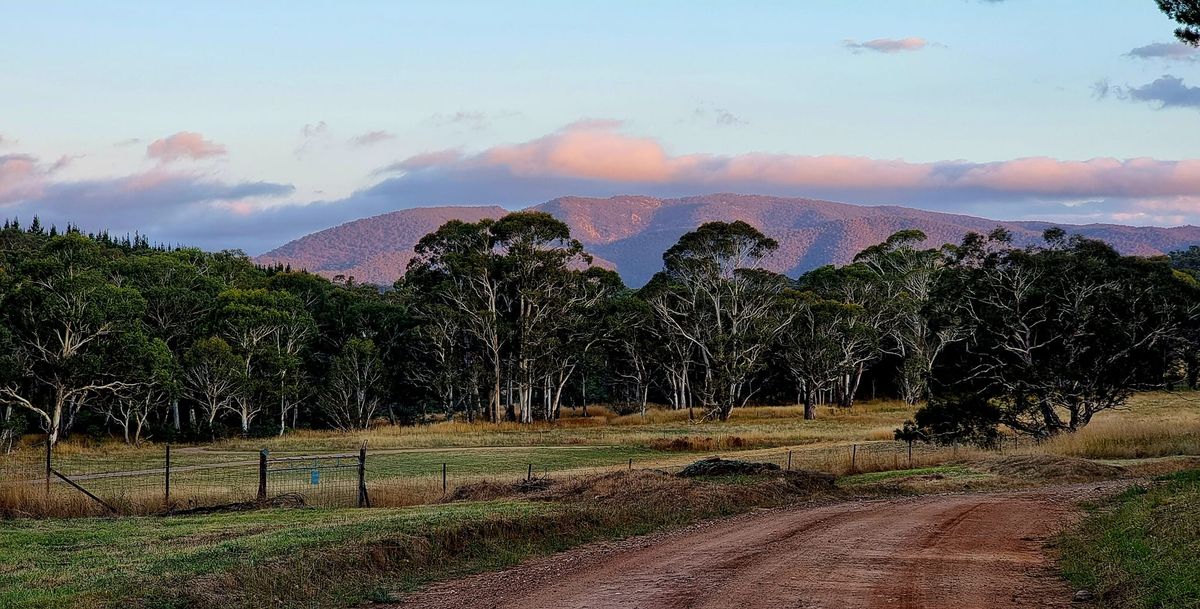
(179, 301)
(903, 278)
(854, 285)
(151, 372)
(61, 312)
(351, 395)
(1059, 333)
(630, 350)
(11, 426)
(581, 326)
(674, 353)
(456, 265)
(822, 345)
(545, 291)
(212, 377)
(268, 329)
(441, 358)
(714, 293)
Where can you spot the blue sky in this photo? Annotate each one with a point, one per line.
(279, 118)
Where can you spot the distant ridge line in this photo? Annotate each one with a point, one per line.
(630, 233)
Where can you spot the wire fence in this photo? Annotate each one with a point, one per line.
(169, 479)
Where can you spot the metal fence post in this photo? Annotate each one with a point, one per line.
(444, 489)
(529, 476)
(262, 474)
(854, 458)
(167, 478)
(789, 467)
(631, 464)
(363, 500)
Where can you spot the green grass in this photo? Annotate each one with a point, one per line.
(1142, 548)
(77, 562)
(948, 471)
(336, 558)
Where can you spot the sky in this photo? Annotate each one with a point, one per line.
(244, 125)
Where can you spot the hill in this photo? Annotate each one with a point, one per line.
(630, 233)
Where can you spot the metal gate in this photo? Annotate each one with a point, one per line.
(320, 480)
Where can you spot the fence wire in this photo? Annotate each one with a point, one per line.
(146, 481)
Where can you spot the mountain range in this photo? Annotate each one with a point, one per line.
(630, 233)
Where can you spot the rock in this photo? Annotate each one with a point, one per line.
(1083, 596)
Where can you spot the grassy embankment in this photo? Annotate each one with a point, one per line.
(313, 558)
(1142, 548)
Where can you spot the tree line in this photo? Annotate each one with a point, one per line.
(511, 320)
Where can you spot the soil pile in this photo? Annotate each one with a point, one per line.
(1050, 467)
(716, 466)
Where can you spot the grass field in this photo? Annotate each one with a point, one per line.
(405, 464)
(98, 559)
(310, 558)
(278, 557)
(1142, 549)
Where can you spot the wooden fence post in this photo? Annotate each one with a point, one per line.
(789, 467)
(167, 479)
(631, 464)
(854, 458)
(262, 475)
(363, 499)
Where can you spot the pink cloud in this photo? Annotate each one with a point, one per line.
(21, 177)
(184, 145)
(596, 150)
(888, 45)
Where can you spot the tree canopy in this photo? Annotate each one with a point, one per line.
(512, 320)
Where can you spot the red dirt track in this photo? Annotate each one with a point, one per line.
(961, 551)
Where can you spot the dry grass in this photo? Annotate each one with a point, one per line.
(1155, 424)
(1048, 467)
(405, 462)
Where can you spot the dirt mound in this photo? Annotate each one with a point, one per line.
(1050, 467)
(810, 481)
(488, 489)
(716, 466)
(647, 486)
(652, 487)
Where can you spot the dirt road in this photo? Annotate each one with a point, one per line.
(958, 551)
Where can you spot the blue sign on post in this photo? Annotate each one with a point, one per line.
(315, 477)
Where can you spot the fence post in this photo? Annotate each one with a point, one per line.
(529, 476)
(853, 458)
(631, 464)
(262, 474)
(444, 479)
(789, 467)
(167, 479)
(363, 499)
(910, 454)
